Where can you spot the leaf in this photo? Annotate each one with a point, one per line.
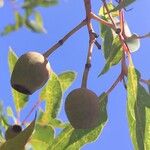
(103, 12)
(34, 3)
(19, 98)
(132, 87)
(114, 57)
(8, 29)
(57, 123)
(123, 4)
(52, 95)
(3, 116)
(33, 26)
(140, 125)
(42, 135)
(73, 139)
(133, 42)
(107, 42)
(19, 141)
(19, 20)
(47, 3)
(138, 100)
(66, 79)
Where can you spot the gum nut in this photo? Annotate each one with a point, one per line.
(30, 73)
(12, 131)
(82, 109)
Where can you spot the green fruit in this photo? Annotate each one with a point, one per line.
(82, 109)
(30, 73)
(12, 131)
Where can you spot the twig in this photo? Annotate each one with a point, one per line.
(97, 44)
(145, 81)
(91, 43)
(119, 78)
(31, 111)
(60, 42)
(95, 17)
(144, 36)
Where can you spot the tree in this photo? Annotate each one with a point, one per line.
(118, 43)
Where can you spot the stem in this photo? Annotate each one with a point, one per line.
(119, 78)
(121, 15)
(113, 22)
(95, 17)
(18, 117)
(143, 36)
(92, 39)
(145, 81)
(60, 42)
(31, 111)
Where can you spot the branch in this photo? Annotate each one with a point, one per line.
(61, 42)
(92, 39)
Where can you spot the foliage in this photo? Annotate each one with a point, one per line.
(118, 44)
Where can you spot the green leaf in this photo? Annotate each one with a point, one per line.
(147, 129)
(19, 98)
(132, 88)
(19, 141)
(3, 116)
(66, 79)
(34, 3)
(138, 100)
(73, 139)
(133, 42)
(56, 123)
(8, 29)
(19, 20)
(52, 95)
(42, 135)
(139, 127)
(114, 57)
(47, 3)
(103, 12)
(33, 26)
(107, 41)
(10, 111)
(123, 4)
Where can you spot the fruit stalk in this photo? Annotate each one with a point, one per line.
(91, 43)
(66, 37)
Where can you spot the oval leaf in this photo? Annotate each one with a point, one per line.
(42, 135)
(52, 95)
(66, 79)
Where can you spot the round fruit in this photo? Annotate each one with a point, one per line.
(82, 109)
(30, 73)
(12, 131)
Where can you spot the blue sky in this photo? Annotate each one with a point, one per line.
(58, 21)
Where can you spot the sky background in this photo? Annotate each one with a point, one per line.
(58, 20)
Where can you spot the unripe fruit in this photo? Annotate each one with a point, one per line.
(12, 131)
(30, 73)
(82, 109)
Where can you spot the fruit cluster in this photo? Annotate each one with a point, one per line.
(31, 72)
